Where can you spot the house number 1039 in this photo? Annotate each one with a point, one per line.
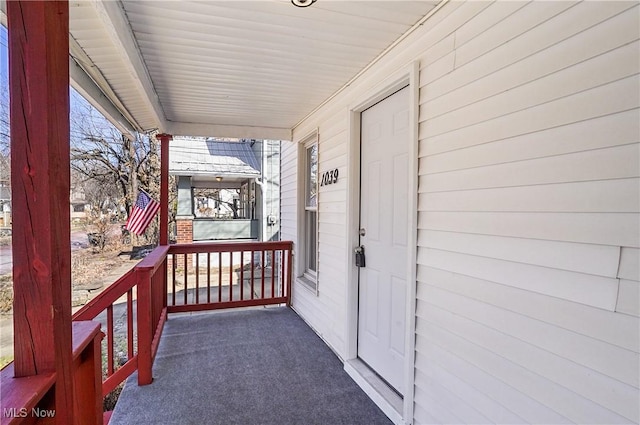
(329, 177)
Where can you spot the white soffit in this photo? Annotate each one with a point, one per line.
(239, 68)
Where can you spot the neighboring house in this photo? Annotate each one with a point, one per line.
(79, 205)
(5, 204)
(227, 189)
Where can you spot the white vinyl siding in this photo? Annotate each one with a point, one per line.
(529, 193)
(528, 212)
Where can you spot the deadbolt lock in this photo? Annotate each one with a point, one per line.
(360, 261)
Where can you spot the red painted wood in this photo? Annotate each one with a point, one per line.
(159, 293)
(230, 276)
(39, 87)
(208, 277)
(262, 268)
(154, 260)
(107, 297)
(227, 247)
(165, 282)
(107, 416)
(87, 373)
(129, 324)
(145, 327)
(164, 187)
(186, 276)
(119, 375)
(252, 273)
(26, 392)
(197, 278)
(219, 276)
(283, 259)
(241, 275)
(289, 275)
(110, 353)
(174, 258)
(158, 333)
(273, 274)
(226, 304)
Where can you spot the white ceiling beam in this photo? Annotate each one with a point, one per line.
(84, 85)
(91, 84)
(220, 130)
(117, 25)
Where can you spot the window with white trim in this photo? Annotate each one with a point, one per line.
(309, 232)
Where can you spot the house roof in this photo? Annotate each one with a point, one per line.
(210, 157)
(246, 69)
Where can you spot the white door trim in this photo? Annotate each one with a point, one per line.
(408, 76)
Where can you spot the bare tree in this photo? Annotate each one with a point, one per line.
(112, 166)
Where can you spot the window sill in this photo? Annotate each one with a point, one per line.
(309, 284)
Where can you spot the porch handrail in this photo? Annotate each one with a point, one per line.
(104, 302)
(238, 267)
(186, 248)
(106, 298)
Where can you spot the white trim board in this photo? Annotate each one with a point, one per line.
(409, 76)
(388, 401)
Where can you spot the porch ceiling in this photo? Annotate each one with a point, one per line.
(230, 68)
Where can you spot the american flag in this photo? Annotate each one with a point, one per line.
(142, 213)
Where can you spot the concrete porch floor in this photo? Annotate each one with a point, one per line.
(251, 366)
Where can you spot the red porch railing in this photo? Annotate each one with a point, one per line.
(225, 275)
(145, 284)
(176, 278)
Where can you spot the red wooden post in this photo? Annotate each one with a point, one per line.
(145, 327)
(164, 187)
(164, 206)
(289, 273)
(39, 87)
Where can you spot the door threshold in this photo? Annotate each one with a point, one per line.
(389, 401)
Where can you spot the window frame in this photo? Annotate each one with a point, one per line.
(306, 274)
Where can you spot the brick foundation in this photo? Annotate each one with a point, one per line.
(184, 234)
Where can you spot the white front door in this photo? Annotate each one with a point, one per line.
(384, 175)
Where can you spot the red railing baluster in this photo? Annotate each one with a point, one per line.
(129, 324)
(289, 272)
(165, 282)
(252, 272)
(241, 275)
(220, 276)
(281, 283)
(186, 276)
(231, 276)
(110, 362)
(263, 268)
(208, 277)
(197, 278)
(273, 274)
(174, 258)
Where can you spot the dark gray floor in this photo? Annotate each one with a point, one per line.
(256, 366)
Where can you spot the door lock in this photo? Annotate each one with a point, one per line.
(362, 231)
(359, 251)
